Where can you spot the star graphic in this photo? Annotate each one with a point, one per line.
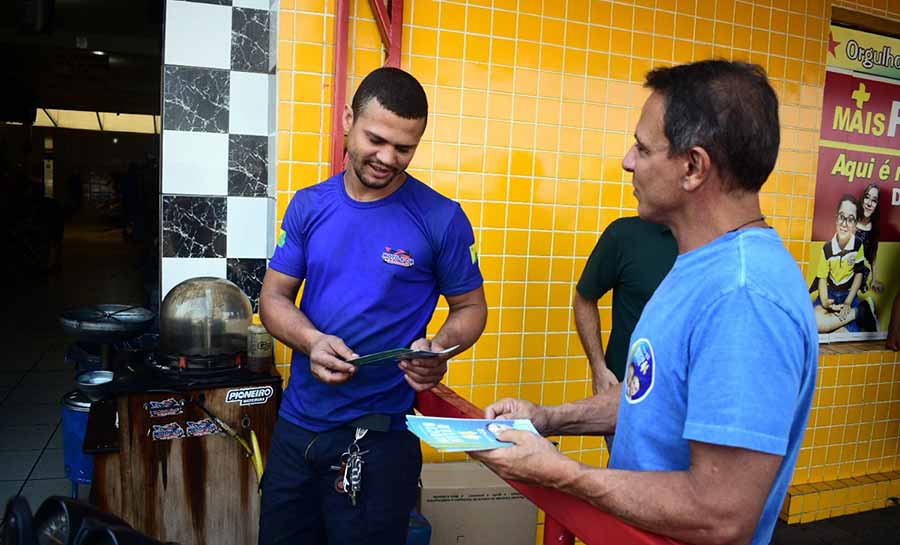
(832, 44)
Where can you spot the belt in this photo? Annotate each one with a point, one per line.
(378, 422)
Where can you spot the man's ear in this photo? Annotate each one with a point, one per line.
(347, 118)
(699, 167)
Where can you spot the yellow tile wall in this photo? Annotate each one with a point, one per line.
(854, 426)
(811, 502)
(532, 109)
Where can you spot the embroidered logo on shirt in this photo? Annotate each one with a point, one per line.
(282, 237)
(397, 257)
(474, 253)
(640, 372)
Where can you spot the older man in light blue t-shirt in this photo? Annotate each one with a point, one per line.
(722, 364)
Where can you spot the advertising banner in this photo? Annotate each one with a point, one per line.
(864, 52)
(854, 266)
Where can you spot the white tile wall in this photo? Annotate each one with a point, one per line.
(198, 34)
(249, 107)
(178, 269)
(272, 152)
(271, 228)
(255, 4)
(250, 237)
(194, 163)
(273, 39)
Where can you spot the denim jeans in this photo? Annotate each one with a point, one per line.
(300, 505)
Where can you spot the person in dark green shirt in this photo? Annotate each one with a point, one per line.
(631, 258)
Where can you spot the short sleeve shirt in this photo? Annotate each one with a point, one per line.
(631, 258)
(725, 353)
(372, 273)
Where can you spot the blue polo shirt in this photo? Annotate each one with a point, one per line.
(372, 272)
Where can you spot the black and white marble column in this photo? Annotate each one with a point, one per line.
(218, 141)
(194, 226)
(248, 275)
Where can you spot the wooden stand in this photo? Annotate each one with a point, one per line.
(190, 490)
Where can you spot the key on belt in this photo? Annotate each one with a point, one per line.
(349, 479)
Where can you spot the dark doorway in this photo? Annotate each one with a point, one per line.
(79, 149)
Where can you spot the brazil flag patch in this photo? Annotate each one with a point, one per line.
(282, 237)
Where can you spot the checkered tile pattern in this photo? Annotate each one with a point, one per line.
(218, 141)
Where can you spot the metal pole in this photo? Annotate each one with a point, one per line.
(339, 83)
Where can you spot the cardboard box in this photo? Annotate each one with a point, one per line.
(467, 504)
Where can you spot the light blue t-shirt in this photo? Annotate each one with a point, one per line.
(372, 273)
(725, 353)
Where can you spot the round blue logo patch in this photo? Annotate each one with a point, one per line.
(640, 372)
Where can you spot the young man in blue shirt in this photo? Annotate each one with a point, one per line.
(375, 248)
(722, 364)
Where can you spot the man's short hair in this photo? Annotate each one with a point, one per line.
(727, 108)
(397, 91)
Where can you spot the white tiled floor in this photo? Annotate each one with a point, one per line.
(30, 422)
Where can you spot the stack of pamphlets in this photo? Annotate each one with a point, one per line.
(464, 434)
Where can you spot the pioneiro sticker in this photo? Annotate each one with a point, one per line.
(166, 407)
(165, 432)
(202, 427)
(253, 395)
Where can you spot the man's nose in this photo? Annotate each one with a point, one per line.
(628, 160)
(387, 156)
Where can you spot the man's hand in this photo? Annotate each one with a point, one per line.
(425, 373)
(328, 357)
(533, 459)
(603, 379)
(510, 408)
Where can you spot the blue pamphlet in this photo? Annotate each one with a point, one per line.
(464, 434)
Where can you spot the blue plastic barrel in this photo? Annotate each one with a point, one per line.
(79, 467)
(419, 529)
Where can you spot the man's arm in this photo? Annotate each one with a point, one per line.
(601, 274)
(465, 321)
(278, 312)
(592, 416)
(587, 322)
(717, 501)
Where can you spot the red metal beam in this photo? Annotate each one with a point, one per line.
(396, 45)
(565, 515)
(389, 19)
(390, 26)
(382, 19)
(339, 83)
